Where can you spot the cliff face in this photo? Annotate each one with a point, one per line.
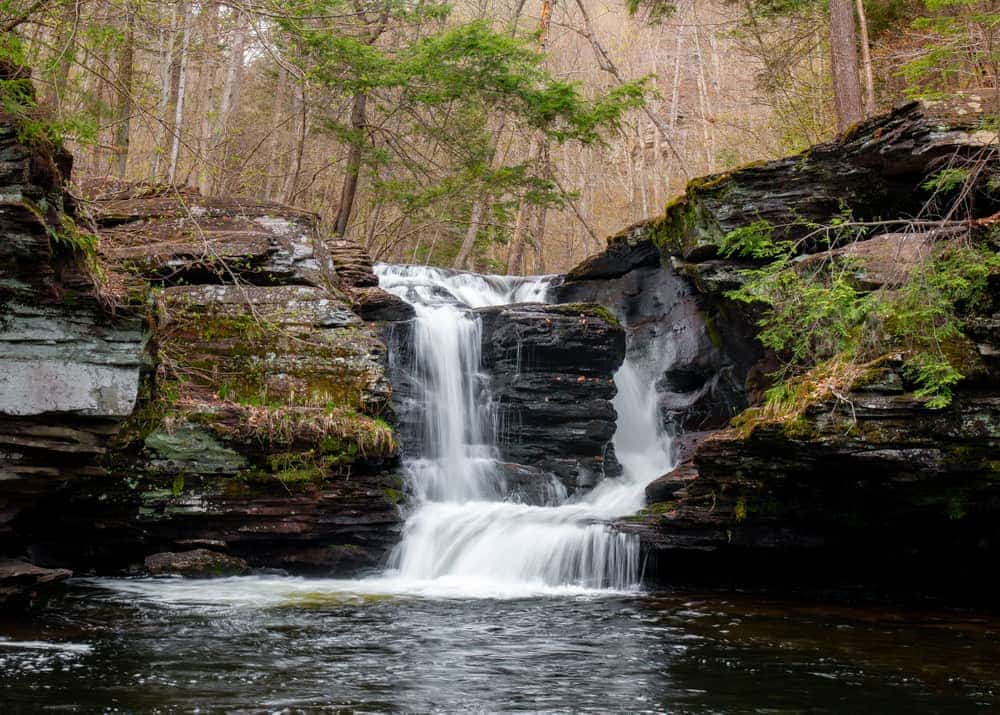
(860, 482)
(551, 371)
(701, 346)
(232, 398)
(69, 372)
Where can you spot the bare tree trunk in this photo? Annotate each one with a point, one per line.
(676, 85)
(301, 113)
(462, 260)
(275, 140)
(604, 60)
(350, 187)
(64, 53)
(175, 147)
(123, 104)
(230, 95)
(844, 63)
(167, 60)
(866, 59)
(515, 258)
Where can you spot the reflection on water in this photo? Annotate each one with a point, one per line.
(252, 644)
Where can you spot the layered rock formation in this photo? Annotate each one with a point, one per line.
(551, 370)
(261, 429)
(69, 370)
(204, 382)
(863, 480)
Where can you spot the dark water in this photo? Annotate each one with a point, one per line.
(256, 646)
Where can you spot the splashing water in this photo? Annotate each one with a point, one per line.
(467, 535)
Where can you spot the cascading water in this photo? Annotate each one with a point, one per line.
(466, 533)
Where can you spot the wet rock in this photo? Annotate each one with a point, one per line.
(702, 346)
(375, 304)
(872, 483)
(24, 585)
(200, 563)
(551, 374)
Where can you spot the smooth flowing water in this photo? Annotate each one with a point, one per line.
(468, 532)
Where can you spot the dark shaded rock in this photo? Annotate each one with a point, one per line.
(23, 585)
(551, 373)
(626, 251)
(873, 487)
(703, 346)
(375, 304)
(69, 368)
(875, 170)
(200, 563)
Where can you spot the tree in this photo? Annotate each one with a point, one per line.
(123, 104)
(844, 63)
(420, 108)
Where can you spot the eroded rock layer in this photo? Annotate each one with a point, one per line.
(551, 371)
(863, 481)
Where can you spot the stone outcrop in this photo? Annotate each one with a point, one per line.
(551, 371)
(69, 368)
(201, 563)
(235, 402)
(701, 345)
(861, 481)
(875, 171)
(869, 484)
(24, 585)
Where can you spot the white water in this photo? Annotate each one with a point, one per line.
(466, 534)
(467, 537)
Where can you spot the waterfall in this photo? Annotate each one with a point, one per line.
(465, 531)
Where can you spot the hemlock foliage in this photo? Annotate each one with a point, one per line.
(815, 313)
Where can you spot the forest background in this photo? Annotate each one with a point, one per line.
(495, 135)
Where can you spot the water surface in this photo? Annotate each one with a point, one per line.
(285, 644)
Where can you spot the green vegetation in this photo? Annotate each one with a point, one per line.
(823, 325)
(590, 310)
(36, 127)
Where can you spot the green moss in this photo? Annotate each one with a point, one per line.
(740, 510)
(712, 331)
(591, 310)
(394, 496)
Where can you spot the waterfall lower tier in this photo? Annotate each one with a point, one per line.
(468, 533)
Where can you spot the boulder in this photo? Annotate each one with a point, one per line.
(199, 563)
(24, 585)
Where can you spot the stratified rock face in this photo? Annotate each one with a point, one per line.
(865, 483)
(259, 428)
(551, 371)
(69, 371)
(876, 171)
(873, 486)
(702, 346)
(201, 563)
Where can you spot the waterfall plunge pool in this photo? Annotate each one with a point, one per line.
(260, 644)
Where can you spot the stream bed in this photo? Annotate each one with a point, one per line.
(276, 644)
